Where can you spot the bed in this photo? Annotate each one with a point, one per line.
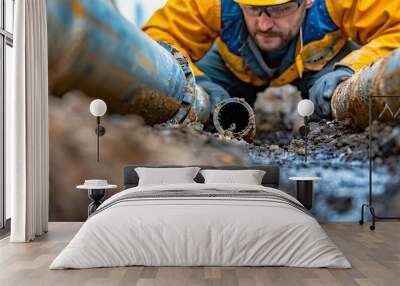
(198, 224)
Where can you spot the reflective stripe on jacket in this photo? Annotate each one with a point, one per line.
(193, 26)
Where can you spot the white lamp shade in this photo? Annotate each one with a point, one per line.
(305, 107)
(98, 107)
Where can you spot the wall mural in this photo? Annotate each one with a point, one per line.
(157, 116)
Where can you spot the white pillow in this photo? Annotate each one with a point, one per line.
(164, 176)
(247, 177)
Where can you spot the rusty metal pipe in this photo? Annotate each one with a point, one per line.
(94, 49)
(382, 78)
(235, 118)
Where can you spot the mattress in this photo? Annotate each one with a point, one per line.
(201, 225)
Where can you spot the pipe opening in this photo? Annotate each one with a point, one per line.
(234, 116)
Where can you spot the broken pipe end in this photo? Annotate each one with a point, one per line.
(235, 118)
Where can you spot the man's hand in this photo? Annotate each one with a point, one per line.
(216, 92)
(322, 90)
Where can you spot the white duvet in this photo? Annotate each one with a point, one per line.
(200, 231)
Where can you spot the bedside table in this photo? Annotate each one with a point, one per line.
(96, 195)
(304, 191)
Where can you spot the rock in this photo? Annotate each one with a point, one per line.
(276, 109)
(274, 147)
(297, 146)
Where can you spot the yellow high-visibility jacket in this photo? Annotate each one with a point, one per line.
(193, 25)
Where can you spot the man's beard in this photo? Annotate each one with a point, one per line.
(269, 34)
(285, 39)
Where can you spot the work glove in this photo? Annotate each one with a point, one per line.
(322, 90)
(216, 92)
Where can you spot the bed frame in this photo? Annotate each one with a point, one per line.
(270, 179)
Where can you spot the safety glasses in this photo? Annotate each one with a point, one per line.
(273, 11)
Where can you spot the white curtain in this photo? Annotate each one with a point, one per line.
(27, 155)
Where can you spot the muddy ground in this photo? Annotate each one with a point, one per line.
(338, 153)
(333, 141)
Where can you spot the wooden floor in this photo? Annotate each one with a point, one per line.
(375, 257)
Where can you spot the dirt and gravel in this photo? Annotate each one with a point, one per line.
(329, 141)
(129, 141)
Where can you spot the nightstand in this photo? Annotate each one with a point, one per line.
(304, 190)
(96, 194)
